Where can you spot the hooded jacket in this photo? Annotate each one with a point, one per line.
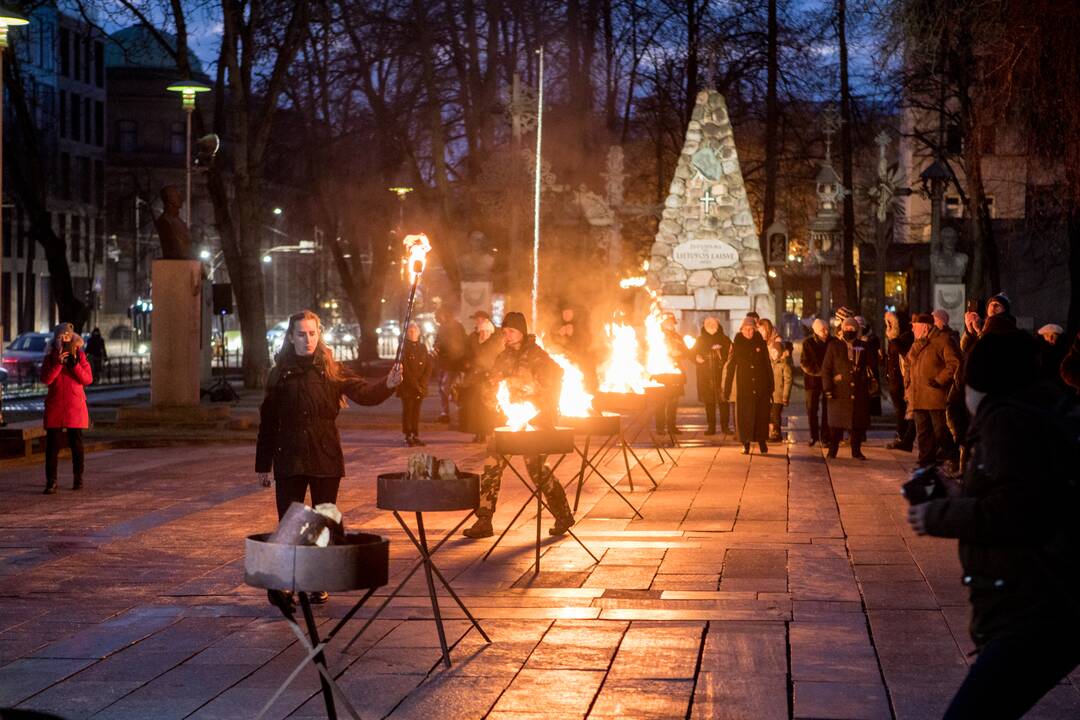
(65, 403)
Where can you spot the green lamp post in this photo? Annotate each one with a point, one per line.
(188, 89)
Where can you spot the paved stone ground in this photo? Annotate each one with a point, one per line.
(755, 587)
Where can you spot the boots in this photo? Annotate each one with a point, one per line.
(763, 447)
(746, 448)
(50, 487)
(482, 527)
(560, 508)
(77, 484)
(856, 449)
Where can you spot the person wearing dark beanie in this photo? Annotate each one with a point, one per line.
(1013, 516)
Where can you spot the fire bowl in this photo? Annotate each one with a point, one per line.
(395, 491)
(604, 424)
(620, 402)
(362, 562)
(662, 393)
(670, 379)
(554, 441)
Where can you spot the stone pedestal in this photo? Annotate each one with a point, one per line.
(176, 349)
(475, 295)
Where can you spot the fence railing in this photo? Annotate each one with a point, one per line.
(24, 376)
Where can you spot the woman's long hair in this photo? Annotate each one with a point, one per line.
(322, 353)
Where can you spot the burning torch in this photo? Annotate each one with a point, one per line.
(416, 249)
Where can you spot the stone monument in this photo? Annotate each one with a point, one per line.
(706, 256)
(476, 268)
(171, 229)
(948, 267)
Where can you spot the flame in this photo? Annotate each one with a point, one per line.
(518, 414)
(416, 249)
(574, 399)
(632, 282)
(690, 341)
(623, 371)
(657, 358)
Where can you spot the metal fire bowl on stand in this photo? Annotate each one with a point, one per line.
(603, 424)
(361, 563)
(396, 491)
(628, 403)
(554, 441)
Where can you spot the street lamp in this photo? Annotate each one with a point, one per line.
(188, 89)
(401, 190)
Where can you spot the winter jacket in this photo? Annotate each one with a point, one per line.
(481, 357)
(450, 346)
(1070, 365)
(895, 362)
(781, 372)
(713, 350)
(813, 355)
(846, 384)
(298, 434)
(1015, 518)
(65, 403)
(750, 368)
(416, 367)
(933, 363)
(531, 375)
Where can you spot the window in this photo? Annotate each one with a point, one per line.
(65, 52)
(84, 180)
(177, 136)
(99, 64)
(87, 60)
(99, 123)
(63, 113)
(99, 183)
(65, 179)
(75, 238)
(953, 207)
(87, 136)
(76, 116)
(954, 140)
(126, 136)
(76, 51)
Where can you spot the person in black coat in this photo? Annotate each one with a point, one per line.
(416, 371)
(751, 371)
(810, 359)
(845, 377)
(1014, 516)
(898, 340)
(298, 437)
(710, 354)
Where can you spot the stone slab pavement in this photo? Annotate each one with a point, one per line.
(753, 587)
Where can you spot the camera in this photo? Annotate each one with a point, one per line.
(924, 485)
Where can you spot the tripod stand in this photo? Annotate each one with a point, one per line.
(221, 390)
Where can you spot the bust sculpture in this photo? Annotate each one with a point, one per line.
(948, 264)
(171, 230)
(478, 262)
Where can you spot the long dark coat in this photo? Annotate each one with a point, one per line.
(1014, 517)
(751, 371)
(710, 373)
(844, 379)
(896, 350)
(416, 370)
(298, 434)
(813, 354)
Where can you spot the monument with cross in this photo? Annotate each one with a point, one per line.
(706, 259)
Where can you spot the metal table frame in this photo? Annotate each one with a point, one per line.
(431, 571)
(588, 463)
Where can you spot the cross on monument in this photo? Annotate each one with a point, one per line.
(830, 122)
(707, 201)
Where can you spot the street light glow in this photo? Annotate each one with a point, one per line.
(278, 211)
(267, 258)
(204, 254)
(9, 18)
(188, 89)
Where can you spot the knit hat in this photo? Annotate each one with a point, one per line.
(1003, 362)
(1001, 298)
(923, 318)
(844, 313)
(819, 324)
(941, 315)
(516, 321)
(62, 328)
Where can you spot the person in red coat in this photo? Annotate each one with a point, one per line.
(66, 371)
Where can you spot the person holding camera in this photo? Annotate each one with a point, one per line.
(1014, 516)
(66, 371)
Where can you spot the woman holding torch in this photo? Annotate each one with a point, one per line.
(298, 436)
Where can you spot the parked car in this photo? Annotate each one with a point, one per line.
(23, 356)
(275, 335)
